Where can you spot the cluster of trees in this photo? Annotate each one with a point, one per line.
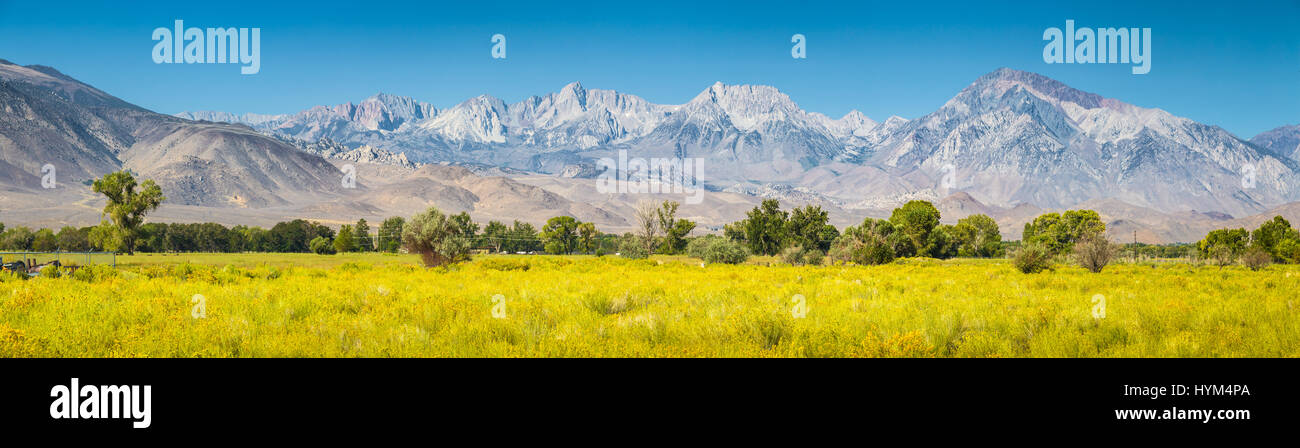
(1054, 235)
(1274, 241)
(67, 239)
(1058, 233)
(913, 230)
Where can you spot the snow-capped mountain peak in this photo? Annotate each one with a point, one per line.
(480, 119)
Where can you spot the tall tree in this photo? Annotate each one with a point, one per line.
(361, 234)
(587, 234)
(809, 228)
(765, 228)
(647, 224)
(523, 238)
(560, 235)
(1270, 236)
(389, 238)
(126, 209)
(495, 234)
(978, 236)
(916, 220)
(674, 230)
(467, 227)
(344, 241)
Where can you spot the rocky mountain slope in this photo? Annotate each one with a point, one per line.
(1283, 141)
(47, 118)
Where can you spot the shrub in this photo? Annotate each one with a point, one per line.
(725, 251)
(1256, 258)
(633, 248)
(699, 245)
(504, 265)
(1033, 258)
(873, 242)
(798, 256)
(1095, 252)
(50, 271)
(1222, 254)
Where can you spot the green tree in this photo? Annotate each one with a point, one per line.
(674, 230)
(1057, 233)
(587, 234)
(1224, 245)
(72, 239)
(872, 242)
(390, 234)
(321, 245)
(495, 234)
(735, 231)
(125, 209)
(17, 238)
(436, 237)
(978, 236)
(810, 229)
(344, 242)
(361, 234)
(522, 238)
(765, 228)
(916, 220)
(467, 227)
(560, 235)
(45, 241)
(1270, 235)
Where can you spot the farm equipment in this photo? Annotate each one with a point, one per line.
(29, 266)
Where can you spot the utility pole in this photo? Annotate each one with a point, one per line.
(1135, 246)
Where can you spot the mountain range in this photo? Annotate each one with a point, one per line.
(1011, 144)
(1010, 137)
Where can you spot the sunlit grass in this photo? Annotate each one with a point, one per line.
(385, 305)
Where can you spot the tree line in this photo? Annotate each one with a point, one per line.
(802, 235)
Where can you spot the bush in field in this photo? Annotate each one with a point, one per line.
(51, 271)
(436, 237)
(1256, 258)
(799, 256)
(634, 247)
(323, 246)
(1223, 255)
(696, 247)
(1095, 252)
(726, 252)
(1033, 258)
(871, 243)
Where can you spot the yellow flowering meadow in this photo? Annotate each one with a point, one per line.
(373, 305)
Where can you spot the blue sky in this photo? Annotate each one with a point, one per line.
(1223, 63)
